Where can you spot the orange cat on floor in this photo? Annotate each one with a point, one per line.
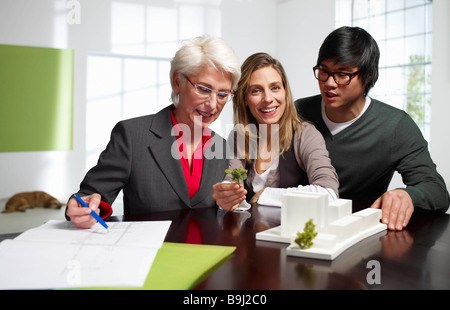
(36, 199)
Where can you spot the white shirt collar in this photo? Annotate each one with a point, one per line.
(335, 128)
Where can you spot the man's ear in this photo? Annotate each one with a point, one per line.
(369, 79)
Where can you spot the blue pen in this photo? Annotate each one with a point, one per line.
(93, 213)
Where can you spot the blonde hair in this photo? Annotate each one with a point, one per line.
(201, 51)
(290, 121)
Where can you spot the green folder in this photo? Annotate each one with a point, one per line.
(180, 266)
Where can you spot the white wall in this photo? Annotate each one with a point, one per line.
(440, 104)
(299, 37)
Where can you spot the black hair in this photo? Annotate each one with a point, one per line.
(356, 47)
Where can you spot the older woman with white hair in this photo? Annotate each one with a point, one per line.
(165, 161)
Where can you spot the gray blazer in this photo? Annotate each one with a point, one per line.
(138, 159)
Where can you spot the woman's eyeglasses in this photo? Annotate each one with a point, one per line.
(206, 92)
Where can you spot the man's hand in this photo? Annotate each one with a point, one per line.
(397, 208)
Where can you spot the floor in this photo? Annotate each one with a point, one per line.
(17, 222)
(20, 221)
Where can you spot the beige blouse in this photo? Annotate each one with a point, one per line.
(312, 157)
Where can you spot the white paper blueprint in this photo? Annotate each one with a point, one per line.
(59, 255)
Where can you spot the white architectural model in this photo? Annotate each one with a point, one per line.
(338, 229)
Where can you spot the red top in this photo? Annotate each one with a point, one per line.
(193, 176)
(105, 209)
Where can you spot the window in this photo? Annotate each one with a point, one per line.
(133, 78)
(403, 30)
(121, 87)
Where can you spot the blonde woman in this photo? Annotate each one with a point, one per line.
(280, 152)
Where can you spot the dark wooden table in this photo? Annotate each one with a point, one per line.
(416, 258)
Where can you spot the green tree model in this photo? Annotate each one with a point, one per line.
(305, 239)
(418, 89)
(237, 174)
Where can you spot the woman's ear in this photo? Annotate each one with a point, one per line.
(176, 82)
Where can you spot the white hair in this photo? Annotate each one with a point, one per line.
(201, 51)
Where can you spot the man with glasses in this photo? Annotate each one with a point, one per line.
(369, 140)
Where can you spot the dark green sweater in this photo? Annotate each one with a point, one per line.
(366, 154)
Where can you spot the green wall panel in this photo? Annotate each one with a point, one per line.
(36, 99)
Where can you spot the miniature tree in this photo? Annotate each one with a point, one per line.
(305, 239)
(237, 174)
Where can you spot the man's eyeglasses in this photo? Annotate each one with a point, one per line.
(340, 78)
(206, 92)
